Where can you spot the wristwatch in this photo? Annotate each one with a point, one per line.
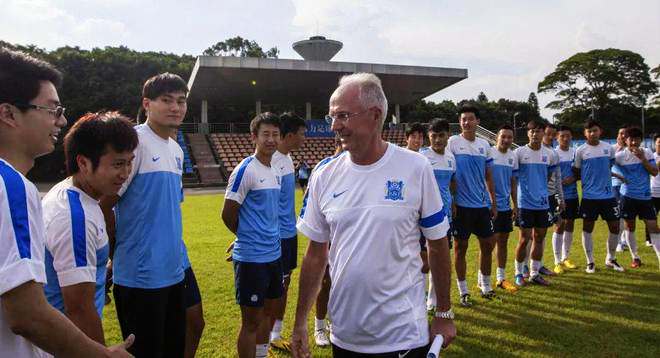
(446, 315)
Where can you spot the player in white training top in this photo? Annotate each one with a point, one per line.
(370, 203)
(655, 184)
(31, 118)
(99, 154)
(636, 163)
(593, 163)
(292, 133)
(251, 211)
(564, 227)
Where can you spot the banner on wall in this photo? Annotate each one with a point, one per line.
(318, 128)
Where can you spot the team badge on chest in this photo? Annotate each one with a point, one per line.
(394, 190)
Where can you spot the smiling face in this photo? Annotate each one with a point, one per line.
(39, 129)
(468, 122)
(112, 171)
(415, 141)
(356, 132)
(504, 139)
(166, 110)
(266, 139)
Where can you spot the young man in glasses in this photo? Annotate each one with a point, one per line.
(31, 118)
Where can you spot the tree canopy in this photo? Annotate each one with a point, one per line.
(240, 47)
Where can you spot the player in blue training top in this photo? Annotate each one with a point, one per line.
(148, 257)
(616, 185)
(31, 120)
(593, 163)
(444, 168)
(636, 163)
(564, 227)
(505, 171)
(536, 163)
(474, 207)
(99, 155)
(556, 203)
(292, 133)
(251, 212)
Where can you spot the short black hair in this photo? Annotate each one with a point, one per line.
(535, 124)
(634, 132)
(505, 126)
(552, 125)
(592, 123)
(656, 136)
(162, 84)
(264, 118)
(415, 127)
(290, 123)
(468, 108)
(565, 128)
(439, 125)
(21, 76)
(93, 134)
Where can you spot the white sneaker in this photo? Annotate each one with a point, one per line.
(321, 338)
(649, 244)
(591, 268)
(614, 265)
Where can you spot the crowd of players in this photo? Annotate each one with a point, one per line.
(379, 218)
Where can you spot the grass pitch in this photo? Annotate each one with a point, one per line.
(607, 314)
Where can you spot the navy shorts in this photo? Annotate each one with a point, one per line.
(289, 255)
(656, 204)
(608, 209)
(503, 222)
(470, 221)
(257, 281)
(632, 208)
(572, 210)
(529, 218)
(191, 294)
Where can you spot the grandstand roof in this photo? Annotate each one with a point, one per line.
(244, 80)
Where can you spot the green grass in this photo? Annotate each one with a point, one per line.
(608, 314)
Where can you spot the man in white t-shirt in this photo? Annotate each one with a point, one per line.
(31, 117)
(370, 203)
(655, 186)
(99, 154)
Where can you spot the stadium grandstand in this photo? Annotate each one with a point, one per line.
(212, 148)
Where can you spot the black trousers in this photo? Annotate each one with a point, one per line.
(420, 352)
(156, 317)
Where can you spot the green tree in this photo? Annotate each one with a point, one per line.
(240, 47)
(610, 82)
(533, 102)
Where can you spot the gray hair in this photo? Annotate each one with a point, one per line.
(370, 91)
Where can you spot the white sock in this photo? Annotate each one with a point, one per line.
(262, 350)
(612, 240)
(622, 237)
(568, 241)
(655, 239)
(632, 243)
(557, 241)
(588, 246)
(519, 267)
(319, 324)
(479, 278)
(277, 330)
(501, 274)
(485, 284)
(536, 266)
(462, 287)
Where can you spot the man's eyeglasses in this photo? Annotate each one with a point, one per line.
(58, 111)
(342, 116)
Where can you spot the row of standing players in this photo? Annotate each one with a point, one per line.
(534, 186)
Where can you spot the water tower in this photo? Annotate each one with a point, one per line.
(317, 48)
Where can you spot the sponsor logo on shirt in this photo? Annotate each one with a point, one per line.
(394, 190)
(262, 180)
(510, 161)
(481, 151)
(155, 159)
(449, 163)
(336, 195)
(606, 151)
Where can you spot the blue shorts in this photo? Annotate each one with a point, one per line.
(191, 294)
(289, 255)
(257, 281)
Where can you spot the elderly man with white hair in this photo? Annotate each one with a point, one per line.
(370, 203)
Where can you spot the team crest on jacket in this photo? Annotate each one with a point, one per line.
(606, 151)
(178, 163)
(394, 190)
(544, 159)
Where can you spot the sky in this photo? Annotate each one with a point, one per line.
(507, 46)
